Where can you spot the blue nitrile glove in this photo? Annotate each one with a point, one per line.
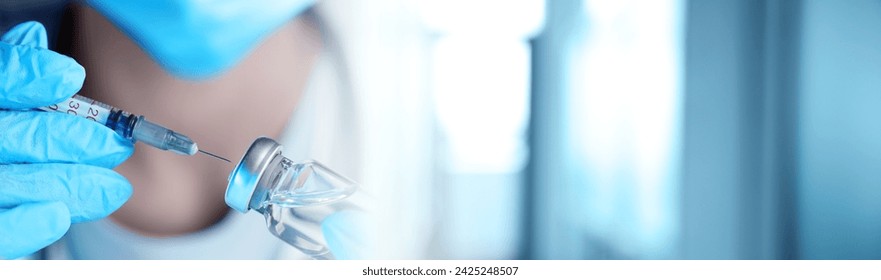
(54, 168)
(198, 39)
(347, 234)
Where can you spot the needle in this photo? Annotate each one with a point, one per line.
(213, 155)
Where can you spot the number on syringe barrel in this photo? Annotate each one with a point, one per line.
(92, 114)
(73, 106)
(90, 110)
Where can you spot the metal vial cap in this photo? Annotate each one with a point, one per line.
(243, 191)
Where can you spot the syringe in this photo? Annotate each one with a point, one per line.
(127, 125)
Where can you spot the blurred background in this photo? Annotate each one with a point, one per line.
(607, 129)
(628, 129)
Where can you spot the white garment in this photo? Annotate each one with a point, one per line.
(237, 236)
(318, 130)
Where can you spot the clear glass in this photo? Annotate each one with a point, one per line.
(300, 196)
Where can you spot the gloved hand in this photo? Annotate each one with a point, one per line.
(198, 39)
(54, 168)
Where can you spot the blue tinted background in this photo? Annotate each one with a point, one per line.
(776, 147)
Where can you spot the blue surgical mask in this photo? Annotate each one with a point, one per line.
(198, 39)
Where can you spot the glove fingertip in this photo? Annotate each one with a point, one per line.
(48, 220)
(97, 145)
(67, 76)
(119, 193)
(56, 219)
(33, 227)
(44, 77)
(122, 149)
(108, 192)
(114, 149)
(30, 33)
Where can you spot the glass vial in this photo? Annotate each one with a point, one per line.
(294, 197)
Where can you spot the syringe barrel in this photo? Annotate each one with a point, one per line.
(90, 109)
(127, 125)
